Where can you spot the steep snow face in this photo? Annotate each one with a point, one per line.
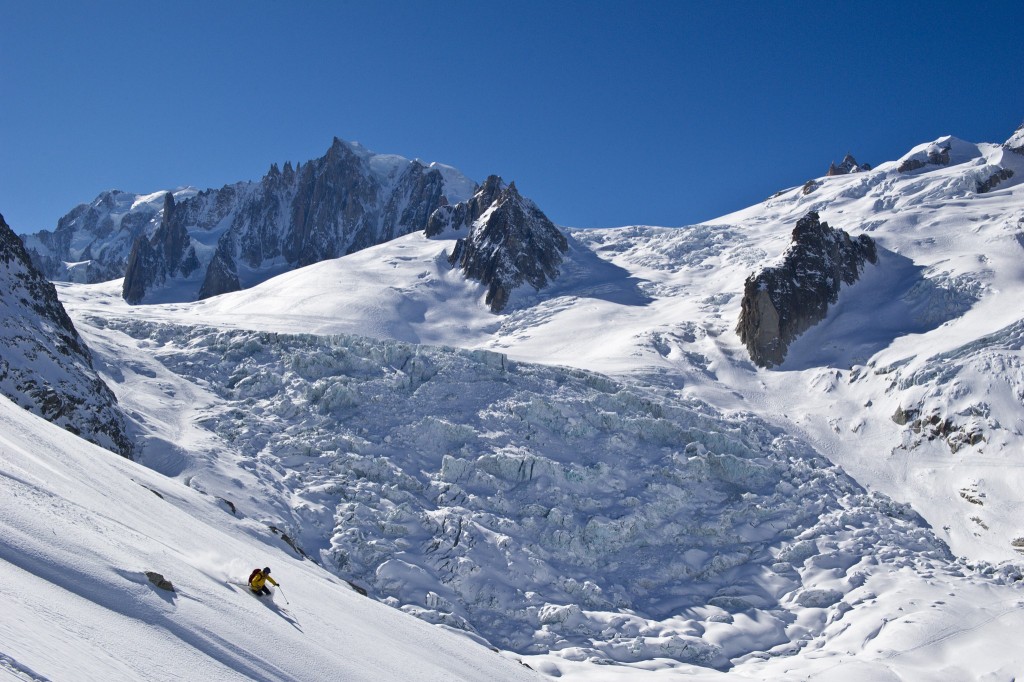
(82, 527)
(92, 242)
(46, 367)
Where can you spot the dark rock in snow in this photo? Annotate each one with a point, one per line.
(221, 275)
(994, 180)
(782, 302)
(345, 201)
(167, 254)
(463, 214)
(848, 165)
(935, 156)
(160, 581)
(511, 243)
(809, 187)
(45, 367)
(1016, 141)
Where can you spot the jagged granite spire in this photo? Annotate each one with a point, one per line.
(846, 166)
(465, 213)
(45, 367)
(345, 201)
(168, 253)
(781, 302)
(511, 243)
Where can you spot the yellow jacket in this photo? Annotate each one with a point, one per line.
(259, 580)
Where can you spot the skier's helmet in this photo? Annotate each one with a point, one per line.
(266, 570)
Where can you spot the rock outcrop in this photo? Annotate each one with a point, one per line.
(203, 241)
(847, 165)
(511, 242)
(45, 367)
(463, 214)
(997, 178)
(781, 302)
(168, 254)
(1016, 141)
(934, 155)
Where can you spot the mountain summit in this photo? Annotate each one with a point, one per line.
(511, 243)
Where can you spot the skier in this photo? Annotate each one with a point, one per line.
(258, 580)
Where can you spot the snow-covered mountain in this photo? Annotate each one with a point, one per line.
(510, 244)
(346, 200)
(46, 367)
(597, 477)
(187, 245)
(92, 242)
(112, 571)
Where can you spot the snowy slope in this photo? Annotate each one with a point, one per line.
(665, 503)
(80, 528)
(662, 304)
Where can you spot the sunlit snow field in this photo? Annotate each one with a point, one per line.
(598, 482)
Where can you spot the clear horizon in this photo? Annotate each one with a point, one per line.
(604, 113)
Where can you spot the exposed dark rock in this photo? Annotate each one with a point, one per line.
(810, 186)
(902, 417)
(846, 166)
(45, 367)
(994, 180)
(463, 214)
(782, 302)
(221, 275)
(167, 254)
(160, 581)
(142, 262)
(935, 156)
(511, 243)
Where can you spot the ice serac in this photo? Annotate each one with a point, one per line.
(45, 367)
(510, 244)
(781, 302)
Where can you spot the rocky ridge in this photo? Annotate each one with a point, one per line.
(781, 302)
(846, 166)
(46, 368)
(510, 244)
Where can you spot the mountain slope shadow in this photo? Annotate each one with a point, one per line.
(587, 275)
(892, 299)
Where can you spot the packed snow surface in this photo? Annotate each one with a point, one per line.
(598, 481)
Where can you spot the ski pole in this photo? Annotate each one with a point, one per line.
(284, 595)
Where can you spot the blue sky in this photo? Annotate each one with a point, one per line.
(604, 113)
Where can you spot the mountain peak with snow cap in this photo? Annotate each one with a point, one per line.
(510, 243)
